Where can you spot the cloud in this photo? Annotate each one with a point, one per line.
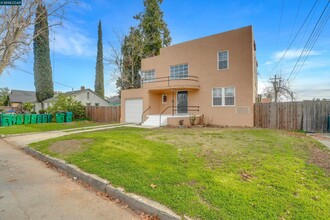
(72, 41)
(293, 53)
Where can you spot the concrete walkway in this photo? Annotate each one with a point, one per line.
(31, 190)
(324, 138)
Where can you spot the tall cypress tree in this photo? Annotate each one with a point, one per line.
(43, 80)
(99, 76)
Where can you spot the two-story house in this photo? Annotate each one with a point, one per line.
(214, 77)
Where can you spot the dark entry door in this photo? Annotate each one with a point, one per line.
(182, 101)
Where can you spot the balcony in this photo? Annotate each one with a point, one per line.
(170, 82)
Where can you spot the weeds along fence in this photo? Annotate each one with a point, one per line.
(310, 116)
(107, 114)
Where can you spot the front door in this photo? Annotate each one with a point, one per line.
(182, 101)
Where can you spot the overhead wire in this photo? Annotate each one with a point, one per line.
(311, 41)
(25, 71)
(295, 37)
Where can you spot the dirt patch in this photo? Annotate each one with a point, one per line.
(68, 147)
(246, 176)
(321, 158)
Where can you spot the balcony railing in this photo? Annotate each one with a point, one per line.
(168, 81)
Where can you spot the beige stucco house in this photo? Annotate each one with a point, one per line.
(214, 77)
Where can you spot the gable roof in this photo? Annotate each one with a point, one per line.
(22, 96)
(71, 93)
(114, 99)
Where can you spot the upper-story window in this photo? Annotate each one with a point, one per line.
(87, 95)
(179, 71)
(223, 60)
(148, 75)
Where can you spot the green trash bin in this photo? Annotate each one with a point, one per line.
(13, 119)
(6, 120)
(27, 119)
(33, 118)
(19, 119)
(68, 117)
(49, 118)
(44, 118)
(60, 117)
(39, 118)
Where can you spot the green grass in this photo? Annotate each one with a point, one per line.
(211, 173)
(19, 129)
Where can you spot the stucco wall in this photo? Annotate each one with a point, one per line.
(82, 97)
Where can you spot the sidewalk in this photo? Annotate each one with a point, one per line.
(324, 138)
(30, 190)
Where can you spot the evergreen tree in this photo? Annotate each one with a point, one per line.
(153, 28)
(42, 67)
(99, 77)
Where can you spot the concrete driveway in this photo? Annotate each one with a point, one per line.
(31, 190)
(324, 138)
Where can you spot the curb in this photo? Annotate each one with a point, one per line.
(134, 201)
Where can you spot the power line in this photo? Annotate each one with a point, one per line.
(295, 37)
(279, 26)
(313, 43)
(311, 40)
(22, 70)
(295, 19)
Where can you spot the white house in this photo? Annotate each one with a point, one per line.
(86, 96)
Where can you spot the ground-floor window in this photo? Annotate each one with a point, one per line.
(223, 96)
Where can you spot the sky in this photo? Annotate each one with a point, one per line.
(276, 25)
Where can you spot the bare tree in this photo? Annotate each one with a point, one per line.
(282, 91)
(16, 28)
(125, 58)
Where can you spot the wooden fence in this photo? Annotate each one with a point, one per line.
(103, 113)
(310, 116)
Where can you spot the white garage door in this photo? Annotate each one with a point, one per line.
(133, 110)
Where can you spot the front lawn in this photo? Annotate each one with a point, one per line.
(209, 173)
(28, 128)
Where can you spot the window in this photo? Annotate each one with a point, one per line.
(179, 71)
(87, 95)
(88, 104)
(223, 96)
(164, 99)
(223, 60)
(96, 104)
(148, 76)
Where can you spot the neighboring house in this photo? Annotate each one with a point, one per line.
(86, 96)
(214, 76)
(114, 100)
(18, 97)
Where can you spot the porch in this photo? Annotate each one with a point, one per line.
(172, 120)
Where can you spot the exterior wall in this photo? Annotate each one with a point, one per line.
(175, 121)
(201, 55)
(93, 98)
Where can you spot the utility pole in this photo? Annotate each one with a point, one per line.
(276, 81)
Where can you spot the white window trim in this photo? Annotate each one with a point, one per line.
(223, 96)
(169, 69)
(149, 80)
(219, 60)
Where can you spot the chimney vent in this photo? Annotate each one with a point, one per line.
(82, 88)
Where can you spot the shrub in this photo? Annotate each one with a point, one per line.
(192, 120)
(181, 122)
(67, 104)
(42, 111)
(28, 106)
